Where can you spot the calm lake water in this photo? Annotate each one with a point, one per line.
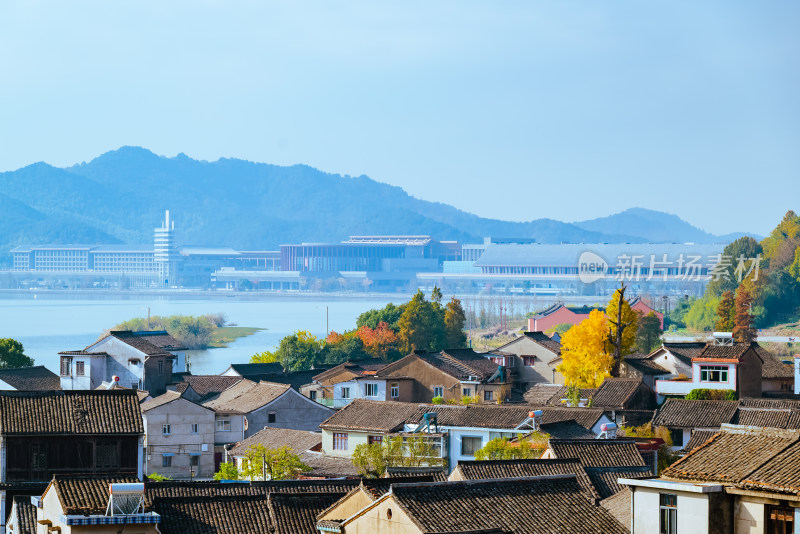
(48, 323)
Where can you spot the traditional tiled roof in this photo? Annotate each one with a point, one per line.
(357, 368)
(684, 351)
(552, 394)
(37, 378)
(247, 370)
(762, 418)
(645, 366)
(439, 474)
(161, 400)
(770, 404)
(185, 489)
(698, 438)
(545, 341)
(605, 478)
(462, 363)
(296, 379)
(474, 415)
(707, 414)
(726, 352)
(371, 416)
(297, 513)
(377, 487)
(616, 392)
(598, 452)
(327, 466)
(619, 506)
(774, 366)
(733, 454)
(485, 470)
(25, 515)
(521, 506)
(150, 343)
(70, 412)
(275, 438)
(241, 514)
(206, 384)
(246, 396)
(586, 417)
(566, 430)
(543, 394)
(85, 495)
(780, 474)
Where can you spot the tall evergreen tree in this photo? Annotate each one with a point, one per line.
(648, 336)
(454, 319)
(421, 327)
(743, 325)
(726, 312)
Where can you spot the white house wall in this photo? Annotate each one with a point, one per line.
(181, 442)
(692, 513)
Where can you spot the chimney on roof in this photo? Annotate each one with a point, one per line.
(797, 374)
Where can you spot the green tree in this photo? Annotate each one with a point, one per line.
(648, 336)
(702, 314)
(743, 322)
(421, 327)
(12, 355)
(299, 351)
(227, 471)
(531, 446)
(350, 347)
(728, 280)
(264, 357)
(711, 394)
(622, 325)
(417, 450)
(436, 295)
(454, 319)
(725, 312)
(261, 463)
(390, 314)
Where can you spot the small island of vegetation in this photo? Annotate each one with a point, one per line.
(195, 332)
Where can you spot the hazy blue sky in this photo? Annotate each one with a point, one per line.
(514, 110)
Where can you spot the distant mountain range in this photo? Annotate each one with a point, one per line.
(121, 196)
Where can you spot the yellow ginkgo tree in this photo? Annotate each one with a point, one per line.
(586, 358)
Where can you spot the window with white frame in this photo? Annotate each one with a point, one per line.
(195, 428)
(66, 364)
(345, 393)
(438, 391)
(713, 373)
(395, 390)
(166, 429)
(339, 441)
(223, 425)
(668, 513)
(488, 395)
(370, 390)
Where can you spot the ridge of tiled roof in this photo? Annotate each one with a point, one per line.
(70, 412)
(521, 505)
(474, 415)
(275, 438)
(462, 363)
(36, 378)
(543, 394)
(248, 369)
(586, 417)
(327, 466)
(246, 396)
(780, 474)
(774, 367)
(439, 473)
(566, 430)
(377, 487)
(523, 468)
(708, 414)
(545, 341)
(357, 368)
(738, 453)
(216, 489)
(770, 404)
(599, 452)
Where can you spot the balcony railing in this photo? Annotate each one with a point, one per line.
(334, 403)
